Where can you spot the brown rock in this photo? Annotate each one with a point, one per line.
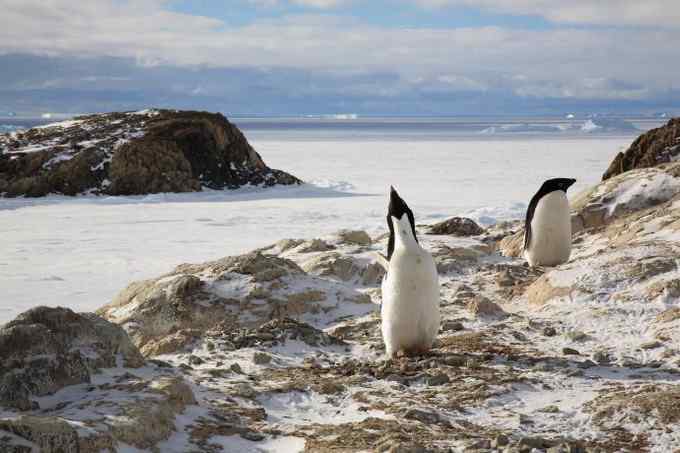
(652, 148)
(457, 226)
(125, 154)
(482, 307)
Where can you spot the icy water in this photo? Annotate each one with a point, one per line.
(79, 252)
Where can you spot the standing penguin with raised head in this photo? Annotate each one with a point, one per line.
(547, 228)
(410, 289)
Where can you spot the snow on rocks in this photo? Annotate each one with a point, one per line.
(149, 151)
(281, 347)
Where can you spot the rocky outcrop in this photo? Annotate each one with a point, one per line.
(658, 146)
(46, 349)
(132, 153)
(167, 314)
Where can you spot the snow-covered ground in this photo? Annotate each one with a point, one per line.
(79, 252)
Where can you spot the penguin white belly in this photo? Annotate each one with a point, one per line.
(410, 302)
(550, 243)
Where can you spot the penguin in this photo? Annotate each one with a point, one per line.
(547, 227)
(410, 288)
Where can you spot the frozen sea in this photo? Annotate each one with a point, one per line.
(80, 252)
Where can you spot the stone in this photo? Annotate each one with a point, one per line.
(500, 440)
(45, 349)
(552, 409)
(482, 307)
(261, 358)
(332, 264)
(570, 351)
(456, 226)
(437, 379)
(452, 326)
(355, 237)
(549, 331)
(314, 245)
(576, 335)
(651, 345)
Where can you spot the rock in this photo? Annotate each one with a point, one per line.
(533, 442)
(500, 440)
(354, 237)
(601, 358)
(133, 153)
(542, 291)
(332, 264)
(278, 330)
(570, 351)
(549, 331)
(452, 326)
(651, 345)
(576, 335)
(437, 379)
(167, 314)
(512, 245)
(482, 307)
(457, 226)
(668, 315)
(652, 148)
(49, 434)
(552, 409)
(627, 193)
(427, 417)
(314, 245)
(152, 420)
(45, 349)
(261, 358)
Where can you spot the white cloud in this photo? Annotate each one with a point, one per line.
(563, 62)
(319, 4)
(607, 12)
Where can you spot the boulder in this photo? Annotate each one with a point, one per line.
(46, 349)
(132, 153)
(354, 237)
(168, 314)
(456, 226)
(657, 146)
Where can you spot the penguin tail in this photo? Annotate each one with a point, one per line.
(382, 260)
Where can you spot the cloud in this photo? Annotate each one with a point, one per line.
(570, 63)
(606, 12)
(319, 4)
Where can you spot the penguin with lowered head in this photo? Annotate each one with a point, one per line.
(547, 227)
(410, 289)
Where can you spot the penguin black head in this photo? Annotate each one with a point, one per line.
(397, 209)
(550, 185)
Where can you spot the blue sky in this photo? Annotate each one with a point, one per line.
(384, 13)
(373, 57)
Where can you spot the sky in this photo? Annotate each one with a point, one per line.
(371, 57)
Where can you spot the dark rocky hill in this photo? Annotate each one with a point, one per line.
(658, 146)
(132, 153)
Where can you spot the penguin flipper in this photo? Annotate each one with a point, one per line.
(382, 260)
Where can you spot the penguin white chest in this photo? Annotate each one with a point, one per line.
(550, 242)
(410, 308)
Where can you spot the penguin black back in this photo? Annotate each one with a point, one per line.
(548, 186)
(397, 208)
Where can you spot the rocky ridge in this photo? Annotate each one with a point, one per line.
(132, 153)
(280, 349)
